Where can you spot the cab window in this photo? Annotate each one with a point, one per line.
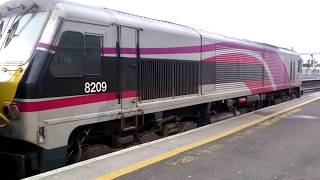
(77, 55)
(93, 54)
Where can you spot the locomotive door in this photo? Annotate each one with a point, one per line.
(128, 57)
(82, 70)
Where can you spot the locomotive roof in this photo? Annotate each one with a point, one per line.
(95, 14)
(109, 16)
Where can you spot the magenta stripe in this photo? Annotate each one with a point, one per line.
(208, 47)
(72, 101)
(47, 46)
(123, 51)
(43, 45)
(109, 51)
(128, 51)
(66, 102)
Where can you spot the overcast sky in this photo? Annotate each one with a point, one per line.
(286, 23)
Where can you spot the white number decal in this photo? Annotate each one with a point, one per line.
(87, 87)
(95, 87)
(104, 87)
(98, 86)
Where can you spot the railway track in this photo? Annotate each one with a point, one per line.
(310, 85)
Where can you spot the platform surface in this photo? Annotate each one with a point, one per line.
(286, 147)
(278, 142)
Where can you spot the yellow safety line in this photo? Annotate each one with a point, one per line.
(147, 162)
(5, 120)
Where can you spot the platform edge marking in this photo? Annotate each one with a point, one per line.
(150, 161)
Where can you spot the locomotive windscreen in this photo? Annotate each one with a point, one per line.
(18, 35)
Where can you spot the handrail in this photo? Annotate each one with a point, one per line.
(5, 120)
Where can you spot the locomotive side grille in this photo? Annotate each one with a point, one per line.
(168, 78)
(227, 72)
(235, 72)
(156, 81)
(238, 65)
(250, 72)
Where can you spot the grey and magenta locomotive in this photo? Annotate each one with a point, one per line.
(79, 81)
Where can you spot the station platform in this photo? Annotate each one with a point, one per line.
(278, 142)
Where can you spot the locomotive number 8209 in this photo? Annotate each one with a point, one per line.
(95, 87)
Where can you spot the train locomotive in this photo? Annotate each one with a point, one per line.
(78, 81)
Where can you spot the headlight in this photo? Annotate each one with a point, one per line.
(11, 111)
(14, 111)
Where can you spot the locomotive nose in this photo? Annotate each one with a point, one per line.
(9, 80)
